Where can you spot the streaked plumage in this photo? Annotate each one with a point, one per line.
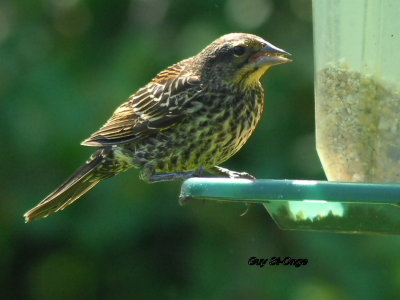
(189, 119)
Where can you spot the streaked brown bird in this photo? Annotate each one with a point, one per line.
(189, 119)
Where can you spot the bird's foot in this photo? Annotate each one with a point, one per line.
(228, 173)
(215, 171)
(234, 174)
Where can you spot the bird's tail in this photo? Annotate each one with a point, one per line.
(99, 167)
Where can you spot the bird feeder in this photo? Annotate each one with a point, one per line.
(357, 111)
(357, 89)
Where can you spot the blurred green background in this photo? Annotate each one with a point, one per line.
(65, 65)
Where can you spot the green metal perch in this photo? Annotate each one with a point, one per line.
(308, 204)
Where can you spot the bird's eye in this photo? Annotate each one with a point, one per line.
(239, 50)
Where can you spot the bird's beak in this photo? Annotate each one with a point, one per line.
(270, 56)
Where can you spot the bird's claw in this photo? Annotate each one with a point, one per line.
(246, 211)
(234, 174)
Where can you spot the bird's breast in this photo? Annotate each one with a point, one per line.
(226, 121)
(246, 113)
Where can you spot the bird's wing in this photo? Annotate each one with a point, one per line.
(155, 107)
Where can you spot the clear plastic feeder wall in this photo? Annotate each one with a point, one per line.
(357, 84)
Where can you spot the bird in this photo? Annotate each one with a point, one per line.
(189, 119)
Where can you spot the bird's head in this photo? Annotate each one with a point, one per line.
(239, 58)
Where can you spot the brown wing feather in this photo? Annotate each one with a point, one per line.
(149, 110)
